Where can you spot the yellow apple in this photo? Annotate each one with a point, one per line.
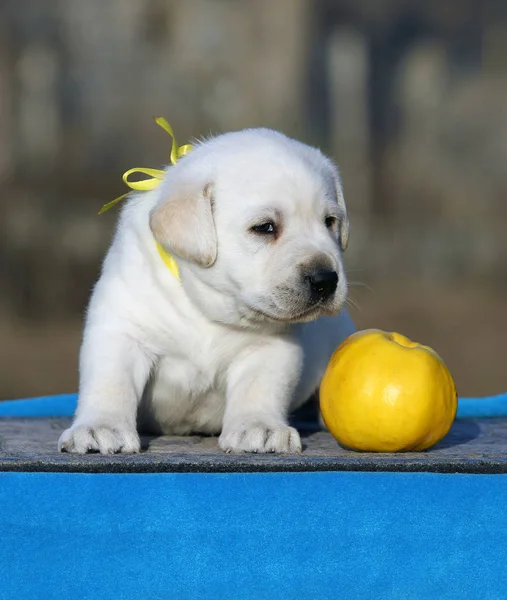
(382, 392)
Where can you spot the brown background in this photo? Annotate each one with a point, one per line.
(409, 97)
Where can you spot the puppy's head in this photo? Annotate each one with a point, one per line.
(259, 224)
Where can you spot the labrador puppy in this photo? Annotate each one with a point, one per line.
(257, 224)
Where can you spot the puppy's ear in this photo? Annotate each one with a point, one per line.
(183, 224)
(344, 222)
(344, 233)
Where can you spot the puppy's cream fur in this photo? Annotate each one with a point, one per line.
(239, 342)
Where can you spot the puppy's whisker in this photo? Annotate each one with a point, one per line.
(352, 303)
(360, 284)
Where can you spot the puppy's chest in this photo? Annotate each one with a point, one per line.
(197, 361)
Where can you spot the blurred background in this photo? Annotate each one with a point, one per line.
(409, 97)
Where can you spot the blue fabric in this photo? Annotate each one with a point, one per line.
(492, 406)
(64, 405)
(252, 536)
(311, 536)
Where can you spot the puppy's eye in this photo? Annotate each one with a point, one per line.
(267, 228)
(331, 222)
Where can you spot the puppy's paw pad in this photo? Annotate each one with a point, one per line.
(261, 438)
(104, 439)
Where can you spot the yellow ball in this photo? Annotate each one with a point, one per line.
(383, 393)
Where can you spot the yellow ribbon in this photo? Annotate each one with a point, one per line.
(155, 178)
(169, 261)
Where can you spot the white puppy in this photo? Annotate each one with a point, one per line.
(257, 224)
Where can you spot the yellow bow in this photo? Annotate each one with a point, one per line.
(155, 178)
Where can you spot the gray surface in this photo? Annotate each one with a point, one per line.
(473, 446)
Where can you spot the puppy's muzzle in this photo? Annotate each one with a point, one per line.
(323, 283)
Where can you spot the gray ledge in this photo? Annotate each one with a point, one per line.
(472, 446)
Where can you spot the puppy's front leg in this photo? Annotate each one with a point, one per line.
(113, 372)
(261, 383)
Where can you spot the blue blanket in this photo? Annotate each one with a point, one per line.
(64, 405)
(255, 536)
(314, 536)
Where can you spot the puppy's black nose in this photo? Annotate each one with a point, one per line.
(323, 283)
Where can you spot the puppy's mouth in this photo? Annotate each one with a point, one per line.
(309, 314)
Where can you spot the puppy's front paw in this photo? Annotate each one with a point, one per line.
(260, 437)
(81, 439)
